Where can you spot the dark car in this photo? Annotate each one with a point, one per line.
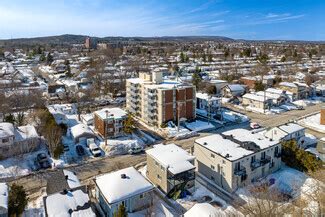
(80, 150)
(43, 161)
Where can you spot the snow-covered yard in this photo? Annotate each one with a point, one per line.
(173, 131)
(313, 122)
(234, 116)
(199, 125)
(287, 181)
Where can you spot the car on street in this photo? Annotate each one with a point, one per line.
(136, 150)
(254, 125)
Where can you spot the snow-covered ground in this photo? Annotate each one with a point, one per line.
(313, 122)
(203, 195)
(199, 125)
(288, 181)
(35, 207)
(172, 131)
(234, 116)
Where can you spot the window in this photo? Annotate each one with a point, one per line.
(253, 159)
(5, 140)
(212, 155)
(263, 155)
(162, 168)
(218, 168)
(157, 164)
(159, 177)
(141, 196)
(212, 178)
(237, 166)
(212, 167)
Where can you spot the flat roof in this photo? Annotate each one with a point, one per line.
(115, 188)
(291, 127)
(115, 113)
(172, 157)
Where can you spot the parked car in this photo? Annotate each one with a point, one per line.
(80, 150)
(136, 150)
(254, 125)
(43, 161)
(94, 150)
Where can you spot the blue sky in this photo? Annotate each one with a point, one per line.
(239, 19)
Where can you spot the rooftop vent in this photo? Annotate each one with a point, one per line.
(66, 177)
(123, 176)
(227, 155)
(65, 191)
(205, 143)
(271, 140)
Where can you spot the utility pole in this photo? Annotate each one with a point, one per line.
(106, 127)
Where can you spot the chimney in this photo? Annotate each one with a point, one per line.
(123, 176)
(322, 115)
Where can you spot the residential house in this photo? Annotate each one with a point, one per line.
(236, 158)
(278, 97)
(72, 202)
(209, 104)
(299, 90)
(204, 210)
(4, 193)
(16, 141)
(219, 85)
(286, 132)
(233, 90)
(109, 122)
(81, 132)
(156, 100)
(171, 169)
(125, 187)
(255, 101)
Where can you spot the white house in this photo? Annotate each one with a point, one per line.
(125, 187)
(210, 104)
(287, 132)
(203, 210)
(81, 132)
(16, 141)
(3, 200)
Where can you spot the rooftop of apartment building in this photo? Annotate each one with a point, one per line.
(110, 113)
(173, 157)
(237, 143)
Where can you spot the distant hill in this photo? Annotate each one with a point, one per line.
(77, 39)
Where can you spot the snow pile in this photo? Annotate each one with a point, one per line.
(199, 126)
(181, 133)
(234, 117)
(121, 145)
(313, 122)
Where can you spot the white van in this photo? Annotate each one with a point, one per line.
(95, 150)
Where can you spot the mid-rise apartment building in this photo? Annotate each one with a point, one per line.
(156, 100)
(236, 158)
(109, 122)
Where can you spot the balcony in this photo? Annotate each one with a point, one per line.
(240, 172)
(265, 160)
(152, 93)
(277, 155)
(255, 164)
(181, 178)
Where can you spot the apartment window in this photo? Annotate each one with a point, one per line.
(212, 167)
(159, 177)
(237, 166)
(212, 155)
(5, 140)
(223, 161)
(253, 159)
(212, 178)
(263, 155)
(157, 164)
(141, 196)
(276, 150)
(162, 168)
(218, 168)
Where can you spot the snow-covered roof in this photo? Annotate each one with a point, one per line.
(244, 135)
(6, 130)
(74, 203)
(236, 87)
(287, 84)
(172, 157)
(80, 129)
(291, 127)
(255, 97)
(25, 132)
(203, 210)
(4, 195)
(113, 113)
(206, 96)
(224, 147)
(72, 180)
(116, 188)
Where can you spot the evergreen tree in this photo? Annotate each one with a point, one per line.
(259, 86)
(121, 212)
(10, 119)
(182, 57)
(129, 124)
(196, 79)
(49, 58)
(17, 200)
